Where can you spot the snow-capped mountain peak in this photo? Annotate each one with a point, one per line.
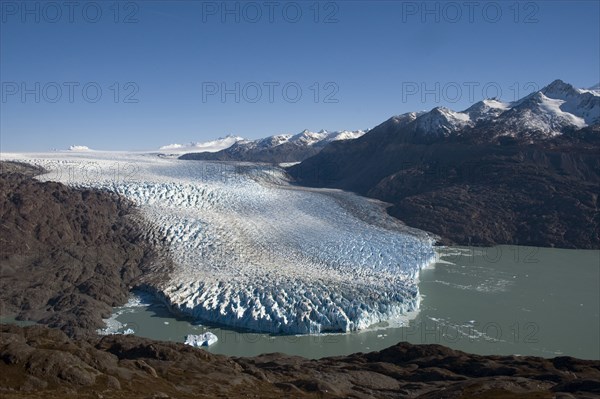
(495, 103)
(441, 121)
(407, 117)
(559, 90)
(487, 109)
(554, 109)
(307, 137)
(544, 115)
(267, 142)
(564, 105)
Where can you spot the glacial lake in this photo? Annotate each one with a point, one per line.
(501, 300)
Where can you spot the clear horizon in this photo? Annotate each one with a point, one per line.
(140, 75)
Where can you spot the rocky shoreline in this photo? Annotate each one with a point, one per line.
(70, 255)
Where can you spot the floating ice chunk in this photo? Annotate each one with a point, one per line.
(206, 339)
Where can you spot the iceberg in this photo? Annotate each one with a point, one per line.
(206, 339)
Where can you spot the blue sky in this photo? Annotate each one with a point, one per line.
(180, 71)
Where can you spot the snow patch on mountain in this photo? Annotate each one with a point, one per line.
(559, 109)
(345, 135)
(594, 90)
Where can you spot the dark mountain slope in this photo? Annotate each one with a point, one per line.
(480, 182)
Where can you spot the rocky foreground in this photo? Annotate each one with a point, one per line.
(38, 362)
(69, 255)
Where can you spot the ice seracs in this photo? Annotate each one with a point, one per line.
(206, 339)
(254, 252)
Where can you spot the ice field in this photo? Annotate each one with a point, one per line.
(253, 251)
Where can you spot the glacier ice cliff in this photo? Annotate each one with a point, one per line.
(253, 251)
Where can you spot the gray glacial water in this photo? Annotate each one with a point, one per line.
(500, 300)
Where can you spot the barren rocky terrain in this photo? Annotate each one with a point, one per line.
(38, 362)
(68, 256)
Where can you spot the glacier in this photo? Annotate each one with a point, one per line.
(252, 251)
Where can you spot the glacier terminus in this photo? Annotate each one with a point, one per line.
(255, 252)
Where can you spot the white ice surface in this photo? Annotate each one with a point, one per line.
(253, 252)
(206, 339)
(79, 148)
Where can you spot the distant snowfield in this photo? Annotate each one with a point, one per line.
(252, 251)
(207, 146)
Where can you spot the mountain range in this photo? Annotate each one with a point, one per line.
(557, 108)
(276, 149)
(524, 172)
